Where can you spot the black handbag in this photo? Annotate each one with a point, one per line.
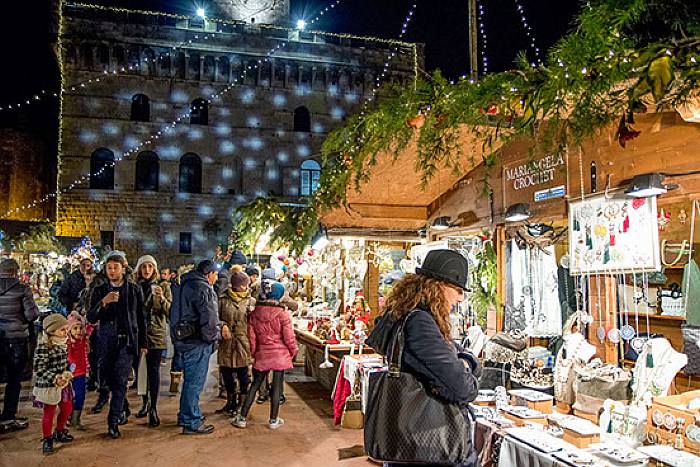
(405, 423)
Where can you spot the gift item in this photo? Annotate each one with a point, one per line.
(577, 431)
(602, 381)
(655, 370)
(625, 421)
(500, 352)
(672, 420)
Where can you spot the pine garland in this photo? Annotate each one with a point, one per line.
(623, 57)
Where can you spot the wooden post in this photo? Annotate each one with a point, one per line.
(371, 286)
(500, 244)
(473, 41)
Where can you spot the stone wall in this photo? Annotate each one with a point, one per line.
(248, 148)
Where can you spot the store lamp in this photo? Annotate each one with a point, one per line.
(517, 212)
(646, 185)
(320, 239)
(441, 223)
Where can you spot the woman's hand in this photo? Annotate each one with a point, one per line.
(226, 332)
(158, 291)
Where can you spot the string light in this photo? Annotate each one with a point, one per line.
(155, 136)
(528, 31)
(484, 41)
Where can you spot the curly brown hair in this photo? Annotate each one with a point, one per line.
(414, 290)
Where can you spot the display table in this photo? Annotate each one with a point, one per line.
(315, 348)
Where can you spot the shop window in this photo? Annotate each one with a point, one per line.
(147, 171)
(190, 174)
(302, 119)
(310, 175)
(140, 108)
(186, 243)
(199, 112)
(102, 170)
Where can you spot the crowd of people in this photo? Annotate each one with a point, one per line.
(116, 322)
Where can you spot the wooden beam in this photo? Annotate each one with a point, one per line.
(389, 211)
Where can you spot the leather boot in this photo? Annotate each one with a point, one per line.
(47, 447)
(144, 408)
(153, 419)
(62, 436)
(226, 409)
(101, 402)
(175, 378)
(75, 420)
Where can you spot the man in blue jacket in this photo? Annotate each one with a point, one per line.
(195, 330)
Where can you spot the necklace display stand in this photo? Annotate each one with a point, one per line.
(655, 370)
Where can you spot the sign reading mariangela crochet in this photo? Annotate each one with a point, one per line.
(534, 172)
(535, 180)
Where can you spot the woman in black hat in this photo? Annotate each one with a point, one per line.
(424, 300)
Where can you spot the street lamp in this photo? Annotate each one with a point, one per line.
(201, 13)
(301, 24)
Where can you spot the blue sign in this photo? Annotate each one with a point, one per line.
(551, 193)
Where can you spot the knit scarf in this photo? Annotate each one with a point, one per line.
(238, 296)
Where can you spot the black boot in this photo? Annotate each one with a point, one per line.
(62, 436)
(113, 431)
(123, 418)
(153, 419)
(101, 402)
(230, 401)
(144, 408)
(47, 447)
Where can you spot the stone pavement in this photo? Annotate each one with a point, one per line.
(307, 439)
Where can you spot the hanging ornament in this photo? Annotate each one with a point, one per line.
(310, 253)
(638, 203)
(416, 122)
(286, 262)
(300, 261)
(682, 216)
(626, 133)
(664, 218)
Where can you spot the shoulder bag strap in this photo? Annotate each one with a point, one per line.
(9, 288)
(397, 348)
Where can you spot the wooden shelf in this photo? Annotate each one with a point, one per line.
(675, 266)
(643, 316)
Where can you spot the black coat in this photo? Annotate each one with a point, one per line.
(134, 312)
(194, 300)
(17, 309)
(438, 364)
(69, 293)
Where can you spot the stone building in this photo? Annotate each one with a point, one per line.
(174, 197)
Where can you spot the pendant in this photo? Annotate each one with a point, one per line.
(669, 421)
(626, 224)
(614, 335)
(600, 333)
(627, 332)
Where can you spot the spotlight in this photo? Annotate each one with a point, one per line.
(441, 223)
(301, 24)
(646, 185)
(201, 13)
(517, 212)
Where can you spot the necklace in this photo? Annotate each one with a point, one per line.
(600, 332)
(627, 332)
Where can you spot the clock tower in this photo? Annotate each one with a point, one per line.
(253, 11)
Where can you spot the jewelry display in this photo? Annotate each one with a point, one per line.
(655, 369)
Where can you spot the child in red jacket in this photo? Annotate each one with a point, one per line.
(78, 349)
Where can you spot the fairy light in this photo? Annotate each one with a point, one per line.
(484, 41)
(528, 31)
(155, 136)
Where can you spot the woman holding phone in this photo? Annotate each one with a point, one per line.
(157, 299)
(117, 304)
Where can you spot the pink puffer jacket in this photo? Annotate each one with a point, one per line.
(272, 341)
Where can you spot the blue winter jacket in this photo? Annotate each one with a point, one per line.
(195, 300)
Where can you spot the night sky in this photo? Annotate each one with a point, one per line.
(440, 24)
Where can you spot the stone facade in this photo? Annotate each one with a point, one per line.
(256, 139)
(253, 11)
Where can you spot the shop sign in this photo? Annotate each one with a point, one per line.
(550, 193)
(540, 179)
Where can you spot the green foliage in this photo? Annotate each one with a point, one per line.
(39, 239)
(621, 57)
(484, 279)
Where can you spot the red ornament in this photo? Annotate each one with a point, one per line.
(311, 252)
(638, 202)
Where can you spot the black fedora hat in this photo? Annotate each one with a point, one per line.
(446, 265)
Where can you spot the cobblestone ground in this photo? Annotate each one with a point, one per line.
(307, 439)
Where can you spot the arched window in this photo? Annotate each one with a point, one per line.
(164, 64)
(209, 68)
(302, 119)
(193, 72)
(147, 171)
(103, 56)
(199, 112)
(180, 66)
(86, 55)
(148, 63)
(190, 173)
(102, 169)
(309, 176)
(140, 108)
(119, 56)
(273, 177)
(224, 69)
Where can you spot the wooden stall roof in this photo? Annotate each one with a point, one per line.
(394, 198)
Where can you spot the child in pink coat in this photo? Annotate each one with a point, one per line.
(273, 347)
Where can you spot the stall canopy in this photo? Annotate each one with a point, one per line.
(394, 201)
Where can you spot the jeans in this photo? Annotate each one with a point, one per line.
(153, 369)
(195, 362)
(115, 362)
(275, 392)
(79, 388)
(229, 375)
(14, 355)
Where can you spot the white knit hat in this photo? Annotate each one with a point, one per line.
(146, 259)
